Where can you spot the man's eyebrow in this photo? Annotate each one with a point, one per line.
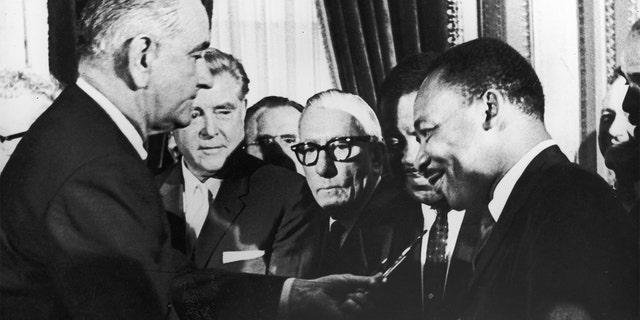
(200, 47)
(225, 106)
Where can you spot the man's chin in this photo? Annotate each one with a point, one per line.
(426, 197)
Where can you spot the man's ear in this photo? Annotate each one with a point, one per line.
(142, 54)
(172, 145)
(493, 101)
(244, 110)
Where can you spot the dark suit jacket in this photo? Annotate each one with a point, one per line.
(258, 207)
(562, 244)
(387, 225)
(83, 231)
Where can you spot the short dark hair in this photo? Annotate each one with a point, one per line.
(404, 78)
(481, 64)
(271, 102)
(221, 62)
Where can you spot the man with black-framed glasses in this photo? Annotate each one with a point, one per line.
(367, 221)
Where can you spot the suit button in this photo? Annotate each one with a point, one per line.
(430, 296)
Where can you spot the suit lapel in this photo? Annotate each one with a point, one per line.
(171, 190)
(517, 199)
(223, 212)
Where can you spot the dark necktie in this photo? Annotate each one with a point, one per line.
(332, 251)
(435, 270)
(486, 225)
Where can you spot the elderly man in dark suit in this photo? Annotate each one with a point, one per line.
(556, 243)
(242, 222)
(82, 230)
(368, 219)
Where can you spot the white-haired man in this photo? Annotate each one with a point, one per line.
(368, 221)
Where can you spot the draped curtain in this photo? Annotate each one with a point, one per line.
(280, 44)
(370, 36)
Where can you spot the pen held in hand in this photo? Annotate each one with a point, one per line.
(402, 257)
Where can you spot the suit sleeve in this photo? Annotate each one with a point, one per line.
(112, 254)
(296, 243)
(585, 258)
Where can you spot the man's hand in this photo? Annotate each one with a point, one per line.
(341, 296)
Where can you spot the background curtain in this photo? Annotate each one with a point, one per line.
(370, 36)
(280, 45)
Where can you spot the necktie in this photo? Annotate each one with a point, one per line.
(435, 270)
(486, 225)
(333, 248)
(196, 215)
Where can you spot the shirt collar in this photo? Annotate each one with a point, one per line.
(116, 115)
(505, 185)
(191, 181)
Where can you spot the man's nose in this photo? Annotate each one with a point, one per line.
(210, 128)
(422, 159)
(620, 128)
(205, 78)
(325, 167)
(410, 153)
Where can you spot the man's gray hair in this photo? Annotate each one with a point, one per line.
(349, 103)
(106, 25)
(14, 83)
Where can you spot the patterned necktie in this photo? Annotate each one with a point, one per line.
(435, 270)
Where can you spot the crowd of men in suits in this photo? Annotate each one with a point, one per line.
(280, 211)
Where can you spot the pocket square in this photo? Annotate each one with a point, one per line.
(233, 256)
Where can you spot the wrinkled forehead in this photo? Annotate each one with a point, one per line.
(321, 124)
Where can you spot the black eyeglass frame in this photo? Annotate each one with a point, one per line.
(298, 148)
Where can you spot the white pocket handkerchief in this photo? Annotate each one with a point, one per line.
(233, 256)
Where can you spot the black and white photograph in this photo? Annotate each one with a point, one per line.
(320, 159)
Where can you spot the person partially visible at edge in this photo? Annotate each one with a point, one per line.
(630, 69)
(24, 95)
(618, 146)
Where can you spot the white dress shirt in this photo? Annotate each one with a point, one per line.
(505, 186)
(195, 199)
(116, 115)
(454, 220)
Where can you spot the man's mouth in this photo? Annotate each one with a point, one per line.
(211, 149)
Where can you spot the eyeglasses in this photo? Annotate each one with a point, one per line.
(12, 136)
(340, 149)
(264, 140)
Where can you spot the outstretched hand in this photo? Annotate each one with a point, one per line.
(341, 296)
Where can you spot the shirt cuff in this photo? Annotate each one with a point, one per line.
(283, 307)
